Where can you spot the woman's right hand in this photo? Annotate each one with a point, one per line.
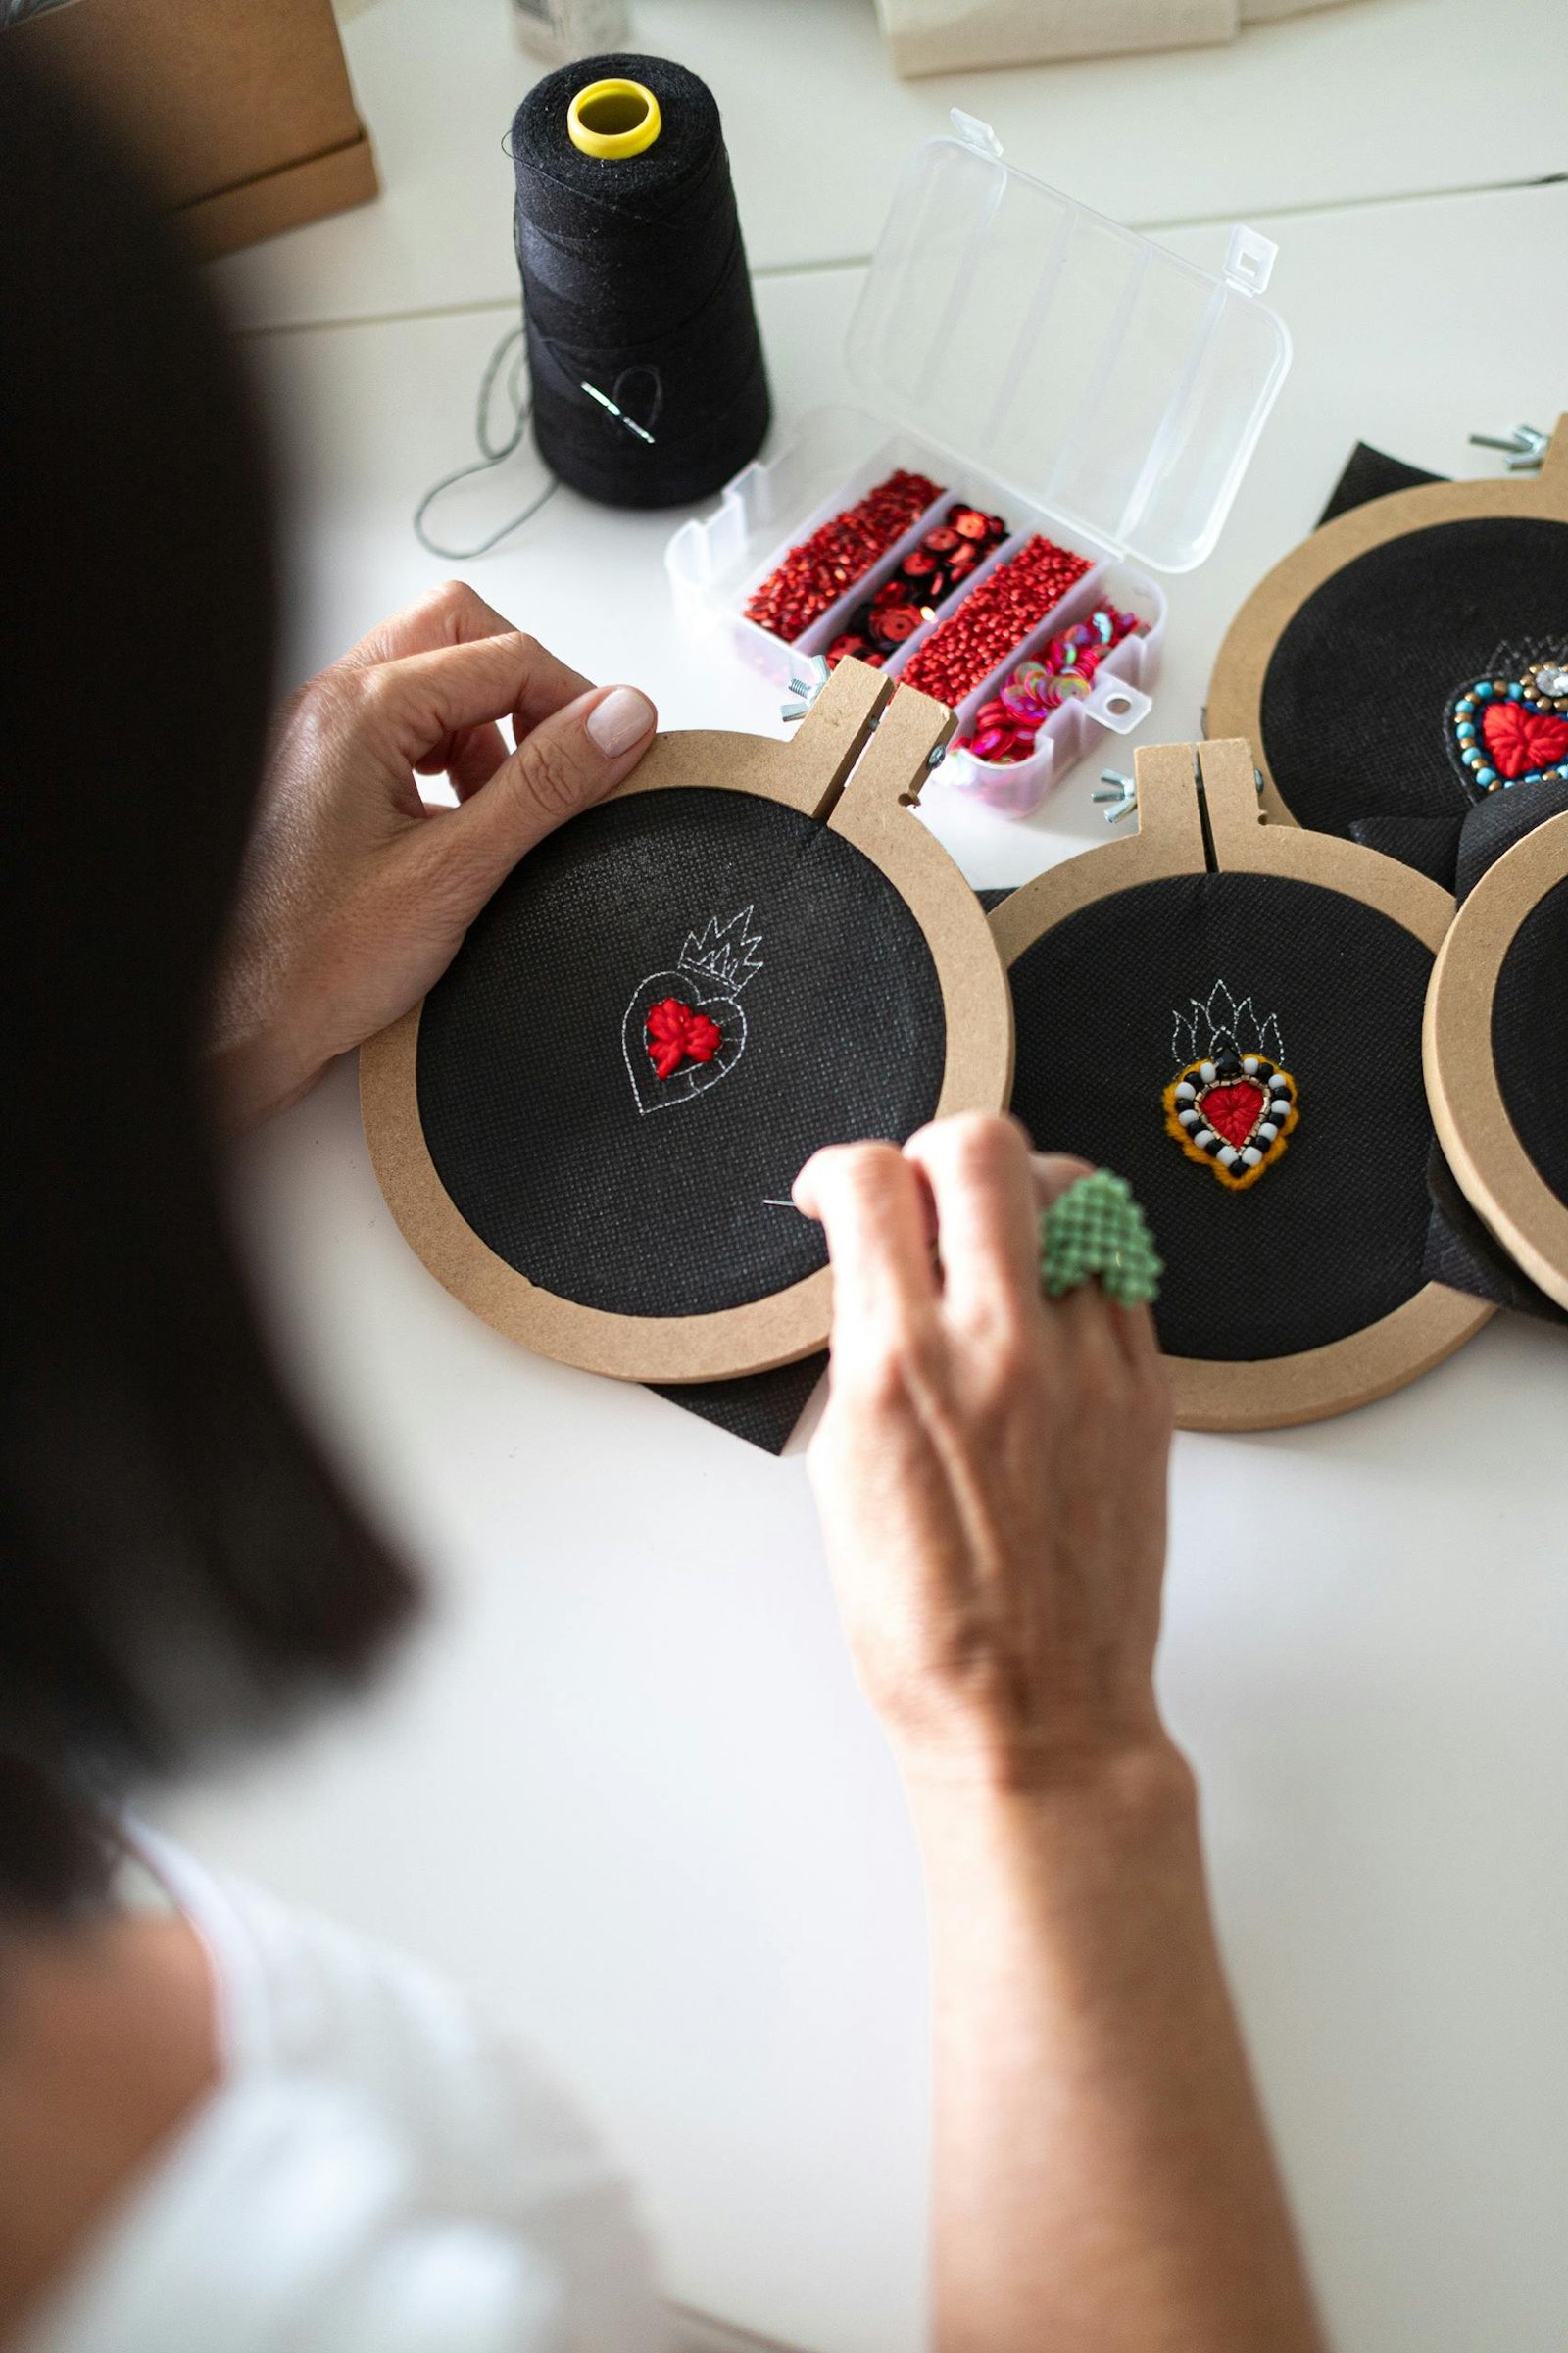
(991, 1466)
(991, 1471)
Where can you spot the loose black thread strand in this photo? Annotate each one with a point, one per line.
(521, 408)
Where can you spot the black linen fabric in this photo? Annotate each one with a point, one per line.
(1467, 1256)
(1371, 473)
(1495, 823)
(1461, 1251)
(760, 1408)
(539, 1103)
(1529, 1040)
(1332, 1237)
(1356, 693)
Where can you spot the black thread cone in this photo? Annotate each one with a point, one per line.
(634, 281)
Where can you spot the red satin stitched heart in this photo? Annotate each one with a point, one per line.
(676, 1034)
(1521, 740)
(1235, 1110)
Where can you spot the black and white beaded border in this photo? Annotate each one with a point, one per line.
(1235, 1166)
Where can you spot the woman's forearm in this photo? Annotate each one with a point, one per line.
(1103, 2179)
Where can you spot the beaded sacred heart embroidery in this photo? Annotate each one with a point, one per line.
(1512, 728)
(1232, 1104)
(684, 1029)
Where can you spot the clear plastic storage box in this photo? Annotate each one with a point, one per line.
(1044, 363)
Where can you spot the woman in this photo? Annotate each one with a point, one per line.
(221, 2126)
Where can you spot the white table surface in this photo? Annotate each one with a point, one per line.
(623, 1786)
(1378, 98)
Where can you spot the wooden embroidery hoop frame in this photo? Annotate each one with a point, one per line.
(1185, 792)
(1235, 705)
(1479, 1140)
(872, 809)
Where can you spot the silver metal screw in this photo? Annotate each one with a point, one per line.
(1525, 447)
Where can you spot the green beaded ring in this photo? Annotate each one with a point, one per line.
(1097, 1228)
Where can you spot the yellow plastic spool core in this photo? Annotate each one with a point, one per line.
(611, 118)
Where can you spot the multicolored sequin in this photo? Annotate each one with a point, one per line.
(1005, 727)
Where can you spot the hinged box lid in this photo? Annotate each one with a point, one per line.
(1105, 379)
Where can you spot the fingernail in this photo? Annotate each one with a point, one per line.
(619, 720)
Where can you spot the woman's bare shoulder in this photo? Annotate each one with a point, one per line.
(107, 2046)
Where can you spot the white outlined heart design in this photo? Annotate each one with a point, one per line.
(707, 979)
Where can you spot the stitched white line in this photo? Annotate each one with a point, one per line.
(732, 965)
(722, 955)
(1222, 1016)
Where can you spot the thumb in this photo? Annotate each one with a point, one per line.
(565, 763)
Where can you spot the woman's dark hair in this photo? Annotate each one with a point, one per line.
(176, 1563)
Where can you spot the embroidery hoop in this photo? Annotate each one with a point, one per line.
(1479, 1140)
(872, 809)
(1203, 819)
(1235, 704)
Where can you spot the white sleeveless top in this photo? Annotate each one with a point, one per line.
(374, 2174)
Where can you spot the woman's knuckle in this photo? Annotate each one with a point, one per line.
(1095, 1382)
(879, 1382)
(1014, 1359)
(1153, 1402)
(457, 602)
(980, 1143)
(553, 777)
(1058, 1169)
(865, 1169)
(898, 1357)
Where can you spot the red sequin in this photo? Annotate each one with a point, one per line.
(925, 577)
(677, 1034)
(815, 576)
(1521, 740)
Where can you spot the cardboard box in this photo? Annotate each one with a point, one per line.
(949, 36)
(241, 110)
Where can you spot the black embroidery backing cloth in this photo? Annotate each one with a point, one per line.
(1356, 693)
(531, 1113)
(1529, 1051)
(1332, 1235)
(1456, 842)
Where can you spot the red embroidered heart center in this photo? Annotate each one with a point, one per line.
(677, 1034)
(1234, 1110)
(1520, 738)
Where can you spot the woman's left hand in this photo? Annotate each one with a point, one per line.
(356, 893)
